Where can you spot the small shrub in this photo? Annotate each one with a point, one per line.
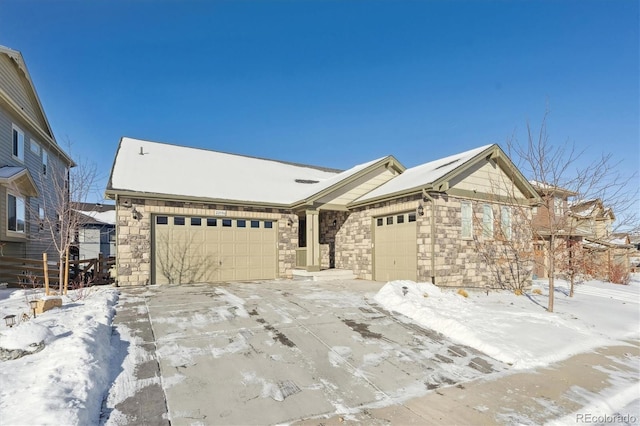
(518, 292)
(425, 295)
(537, 291)
(463, 293)
(619, 274)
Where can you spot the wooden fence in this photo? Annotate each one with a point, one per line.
(18, 272)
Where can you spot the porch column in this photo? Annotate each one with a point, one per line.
(313, 240)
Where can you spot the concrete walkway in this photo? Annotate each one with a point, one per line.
(557, 393)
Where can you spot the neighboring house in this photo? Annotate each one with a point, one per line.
(550, 218)
(96, 234)
(33, 168)
(186, 215)
(591, 218)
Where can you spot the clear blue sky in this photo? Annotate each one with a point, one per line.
(332, 83)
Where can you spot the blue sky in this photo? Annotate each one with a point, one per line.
(332, 83)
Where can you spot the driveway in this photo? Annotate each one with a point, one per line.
(282, 351)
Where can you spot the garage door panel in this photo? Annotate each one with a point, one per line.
(215, 249)
(395, 248)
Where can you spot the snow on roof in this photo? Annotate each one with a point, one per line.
(160, 168)
(108, 217)
(423, 174)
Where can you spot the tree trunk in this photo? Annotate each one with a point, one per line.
(552, 270)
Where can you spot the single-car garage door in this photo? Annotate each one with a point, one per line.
(201, 249)
(395, 247)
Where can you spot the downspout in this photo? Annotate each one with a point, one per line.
(433, 235)
(117, 257)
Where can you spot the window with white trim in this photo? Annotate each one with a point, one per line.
(467, 224)
(35, 147)
(505, 221)
(18, 143)
(16, 213)
(487, 221)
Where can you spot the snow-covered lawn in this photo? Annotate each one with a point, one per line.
(66, 382)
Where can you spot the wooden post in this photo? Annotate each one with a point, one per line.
(66, 270)
(46, 273)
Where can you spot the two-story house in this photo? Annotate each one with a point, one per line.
(34, 169)
(606, 255)
(551, 218)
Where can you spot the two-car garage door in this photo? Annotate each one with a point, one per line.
(201, 249)
(395, 247)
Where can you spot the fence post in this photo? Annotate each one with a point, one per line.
(100, 269)
(46, 273)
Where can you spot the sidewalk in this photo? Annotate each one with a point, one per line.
(556, 393)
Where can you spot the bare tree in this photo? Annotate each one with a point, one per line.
(559, 174)
(56, 217)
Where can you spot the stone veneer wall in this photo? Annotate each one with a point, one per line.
(457, 262)
(133, 236)
(463, 262)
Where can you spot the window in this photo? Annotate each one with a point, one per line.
(240, 223)
(45, 158)
(487, 221)
(412, 217)
(505, 221)
(400, 219)
(196, 221)
(390, 220)
(18, 143)
(467, 224)
(226, 222)
(255, 224)
(268, 224)
(535, 210)
(178, 220)
(212, 221)
(379, 221)
(40, 219)
(15, 213)
(162, 220)
(35, 147)
(557, 206)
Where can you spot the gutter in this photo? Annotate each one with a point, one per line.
(428, 197)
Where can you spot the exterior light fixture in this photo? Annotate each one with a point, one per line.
(334, 223)
(33, 304)
(136, 214)
(10, 320)
(420, 210)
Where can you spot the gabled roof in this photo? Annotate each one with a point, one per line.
(549, 189)
(165, 171)
(593, 209)
(20, 178)
(162, 170)
(435, 175)
(43, 130)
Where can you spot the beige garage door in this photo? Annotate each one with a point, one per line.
(201, 249)
(395, 247)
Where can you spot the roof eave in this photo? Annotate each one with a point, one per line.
(113, 194)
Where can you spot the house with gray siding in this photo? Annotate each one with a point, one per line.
(193, 215)
(33, 168)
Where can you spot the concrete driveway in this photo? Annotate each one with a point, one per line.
(284, 351)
